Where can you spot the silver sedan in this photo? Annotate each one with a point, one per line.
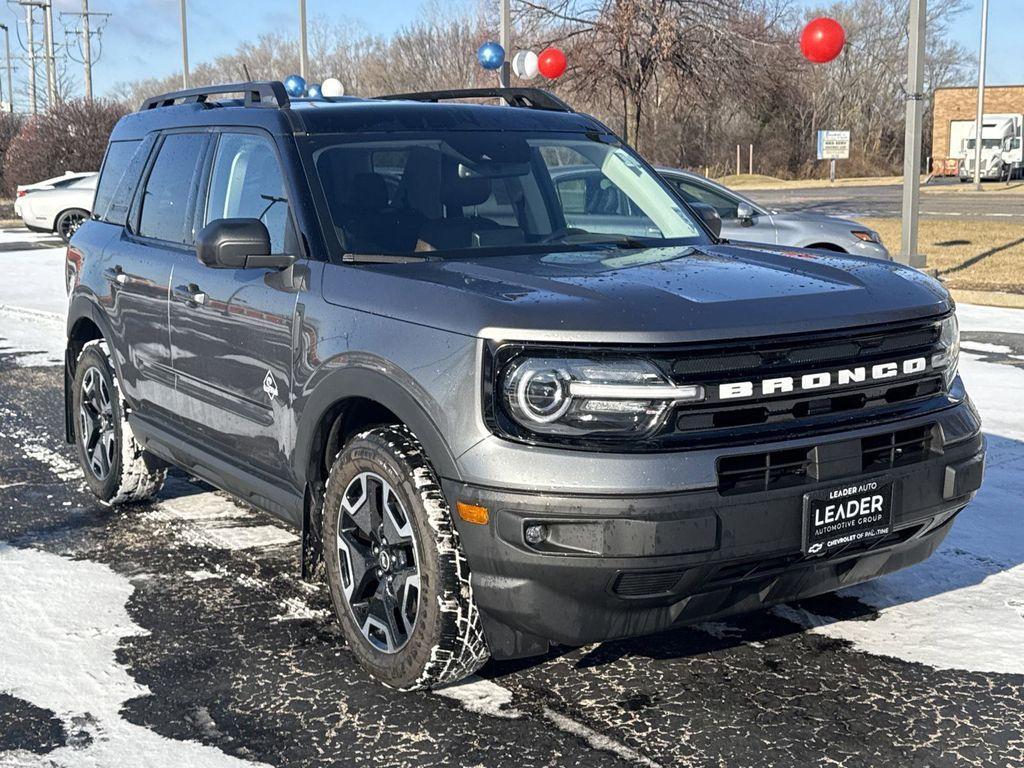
(745, 220)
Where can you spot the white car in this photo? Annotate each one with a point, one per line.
(57, 182)
(61, 209)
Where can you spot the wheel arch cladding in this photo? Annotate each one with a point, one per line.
(344, 403)
(83, 326)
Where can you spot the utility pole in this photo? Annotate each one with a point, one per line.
(979, 118)
(86, 50)
(85, 31)
(31, 38)
(184, 45)
(51, 60)
(505, 76)
(912, 136)
(7, 53)
(303, 44)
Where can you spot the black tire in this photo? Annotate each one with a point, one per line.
(445, 642)
(115, 465)
(69, 222)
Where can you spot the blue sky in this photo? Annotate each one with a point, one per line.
(141, 38)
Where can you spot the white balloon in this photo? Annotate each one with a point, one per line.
(524, 64)
(332, 87)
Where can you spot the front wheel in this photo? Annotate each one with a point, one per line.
(398, 577)
(115, 465)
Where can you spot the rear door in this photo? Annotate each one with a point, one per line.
(231, 329)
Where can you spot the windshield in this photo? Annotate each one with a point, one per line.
(461, 193)
(986, 143)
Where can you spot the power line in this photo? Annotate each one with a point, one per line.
(82, 29)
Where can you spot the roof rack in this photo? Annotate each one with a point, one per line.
(258, 93)
(530, 98)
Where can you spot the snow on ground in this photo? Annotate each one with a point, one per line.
(33, 302)
(63, 620)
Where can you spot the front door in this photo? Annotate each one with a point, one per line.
(757, 229)
(231, 329)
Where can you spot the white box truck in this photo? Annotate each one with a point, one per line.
(1001, 154)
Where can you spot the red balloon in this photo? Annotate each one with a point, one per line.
(551, 63)
(822, 40)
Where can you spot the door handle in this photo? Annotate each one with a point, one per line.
(115, 275)
(190, 294)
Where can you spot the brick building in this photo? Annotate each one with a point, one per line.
(954, 113)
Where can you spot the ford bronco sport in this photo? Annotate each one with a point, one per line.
(504, 408)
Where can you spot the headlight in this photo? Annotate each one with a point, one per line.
(949, 355)
(579, 396)
(866, 235)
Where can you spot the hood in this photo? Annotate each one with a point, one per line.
(801, 217)
(651, 295)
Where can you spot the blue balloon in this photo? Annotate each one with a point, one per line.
(314, 91)
(295, 85)
(490, 55)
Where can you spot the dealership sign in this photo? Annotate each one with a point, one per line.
(833, 145)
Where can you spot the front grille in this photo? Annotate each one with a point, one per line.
(896, 449)
(759, 418)
(643, 583)
(760, 472)
(772, 470)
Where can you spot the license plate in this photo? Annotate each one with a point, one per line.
(854, 513)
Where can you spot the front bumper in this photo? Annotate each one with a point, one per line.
(623, 565)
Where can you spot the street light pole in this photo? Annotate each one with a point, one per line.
(505, 77)
(979, 118)
(184, 45)
(303, 44)
(31, 38)
(912, 136)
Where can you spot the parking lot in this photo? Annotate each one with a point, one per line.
(178, 633)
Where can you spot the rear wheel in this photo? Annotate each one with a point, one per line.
(69, 222)
(398, 577)
(116, 467)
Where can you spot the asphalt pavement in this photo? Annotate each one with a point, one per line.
(886, 201)
(178, 633)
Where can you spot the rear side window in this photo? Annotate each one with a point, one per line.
(165, 203)
(122, 168)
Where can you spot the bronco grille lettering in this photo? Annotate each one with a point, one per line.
(735, 390)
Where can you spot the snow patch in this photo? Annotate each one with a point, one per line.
(58, 653)
(213, 520)
(482, 696)
(597, 740)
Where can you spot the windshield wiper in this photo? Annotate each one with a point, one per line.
(386, 258)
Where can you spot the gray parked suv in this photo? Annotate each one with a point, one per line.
(498, 429)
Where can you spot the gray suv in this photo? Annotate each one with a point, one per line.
(498, 429)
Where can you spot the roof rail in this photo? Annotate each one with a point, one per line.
(531, 98)
(258, 93)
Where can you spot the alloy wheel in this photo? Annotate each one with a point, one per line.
(69, 224)
(96, 424)
(378, 562)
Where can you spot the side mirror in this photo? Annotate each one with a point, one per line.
(238, 244)
(745, 212)
(709, 216)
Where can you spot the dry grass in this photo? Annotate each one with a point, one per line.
(757, 181)
(968, 253)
